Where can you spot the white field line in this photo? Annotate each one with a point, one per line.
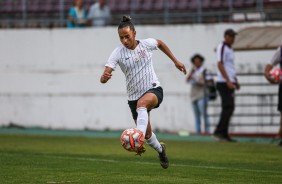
(173, 165)
(150, 163)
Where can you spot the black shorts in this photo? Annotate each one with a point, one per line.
(280, 98)
(133, 104)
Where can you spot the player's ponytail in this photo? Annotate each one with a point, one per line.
(126, 22)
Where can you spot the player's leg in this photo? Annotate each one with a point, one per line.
(152, 139)
(227, 106)
(202, 103)
(197, 115)
(159, 147)
(280, 110)
(145, 104)
(280, 130)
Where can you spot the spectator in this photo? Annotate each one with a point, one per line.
(276, 59)
(198, 77)
(226, 84)
(99, 14)
(77, 15)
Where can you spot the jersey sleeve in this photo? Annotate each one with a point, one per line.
(275, 60)
(113, 60)
(151, 43)
(220, 53)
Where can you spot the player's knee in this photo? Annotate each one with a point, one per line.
(142, 103)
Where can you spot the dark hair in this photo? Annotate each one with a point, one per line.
(197, 56)
(126, 22)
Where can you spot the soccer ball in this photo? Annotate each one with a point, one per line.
(276, 74)
(132, 139)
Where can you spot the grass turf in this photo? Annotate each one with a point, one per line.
(66, 159)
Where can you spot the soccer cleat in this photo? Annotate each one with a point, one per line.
(280, 143)
(163, 158)
(141, 150)
(222, 138)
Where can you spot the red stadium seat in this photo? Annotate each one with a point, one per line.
(249, 3)
(7, 6)
(238, 3)
(135, 5)
(206, 4)
(225, 4)
(172, 5)
(147, 5)
(193, 5)
(159, 5)
(119, 6)
(216, 4)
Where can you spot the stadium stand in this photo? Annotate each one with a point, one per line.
(20, 13)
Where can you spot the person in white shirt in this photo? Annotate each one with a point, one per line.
(143, 88)
(99, 14)
(276, 60)
(198, 77)
(226, 84)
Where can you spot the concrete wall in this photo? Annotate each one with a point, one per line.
(50, 78)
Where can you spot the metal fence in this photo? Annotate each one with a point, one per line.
(255, 104)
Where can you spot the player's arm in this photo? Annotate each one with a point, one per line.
(107, 74)
(224, 74)
(274, 61)
(267, 70)
(163, 47)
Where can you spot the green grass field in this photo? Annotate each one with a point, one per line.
(73, 159)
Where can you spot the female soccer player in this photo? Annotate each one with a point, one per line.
(143, 88)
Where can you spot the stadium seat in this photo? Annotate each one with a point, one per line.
(172, 5)
(7, 6)
(249, 3)
(225, 4)
(112, 4)
(147, 5)
(216, 4)
(33, 6)
(206, 4)
(135, 5)
(159, 5)
(193, 4)
(119, 6)
(238, 3)
(182, 5)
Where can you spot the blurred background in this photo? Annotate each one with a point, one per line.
(50, 73)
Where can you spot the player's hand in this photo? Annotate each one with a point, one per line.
(271, 79)
(230, 85)
(238, 86)
(105, 77)
(180, 67)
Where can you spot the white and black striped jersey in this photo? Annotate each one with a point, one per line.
(137, 66)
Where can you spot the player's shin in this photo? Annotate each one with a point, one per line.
(154, 143)
(142, 119)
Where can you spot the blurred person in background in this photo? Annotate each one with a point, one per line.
(276, 59)
(99, 14)
(226, 84)
(198, 77)
(77, 16)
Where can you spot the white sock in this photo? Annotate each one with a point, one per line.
(142, 119)
(154, 143)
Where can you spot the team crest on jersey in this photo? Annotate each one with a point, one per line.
(142, 53)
